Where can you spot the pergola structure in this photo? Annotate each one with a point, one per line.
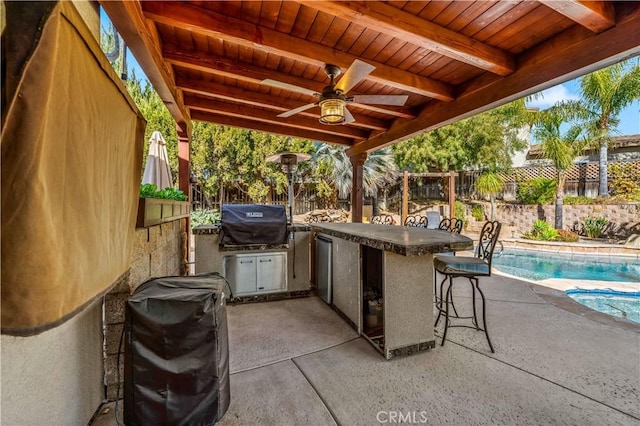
(209, 60)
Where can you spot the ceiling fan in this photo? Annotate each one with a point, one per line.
(333, 99)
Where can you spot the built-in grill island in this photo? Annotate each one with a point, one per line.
(257, 251)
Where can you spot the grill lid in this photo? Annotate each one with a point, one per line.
(247, 224)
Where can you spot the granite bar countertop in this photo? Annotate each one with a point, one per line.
(403, 240)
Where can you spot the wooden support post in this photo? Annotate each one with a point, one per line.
(184, 184)
(405, 197)
(452, 194)
(184, 169)
(357, 193)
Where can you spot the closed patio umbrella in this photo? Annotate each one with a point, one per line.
(157, 171)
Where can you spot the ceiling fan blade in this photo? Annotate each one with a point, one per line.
(296, 110)
(354, 75)
(289, 87)
(348, 117)
(397, 100)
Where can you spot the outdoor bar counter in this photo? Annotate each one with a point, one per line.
(391, 268)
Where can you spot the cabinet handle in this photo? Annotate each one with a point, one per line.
(260, 288)
(262, 261)
(246, 261)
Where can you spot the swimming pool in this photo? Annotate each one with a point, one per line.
(616, 303)
(536, 265)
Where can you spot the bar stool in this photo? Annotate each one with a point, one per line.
(471, 268)
(451, 224)
(382, 219)
(416, 221)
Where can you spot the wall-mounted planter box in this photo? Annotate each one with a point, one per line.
(153, 211)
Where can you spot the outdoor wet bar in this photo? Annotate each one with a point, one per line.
(381, 279)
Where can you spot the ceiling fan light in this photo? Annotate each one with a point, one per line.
(332, 111)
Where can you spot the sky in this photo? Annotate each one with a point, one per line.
(629, 117)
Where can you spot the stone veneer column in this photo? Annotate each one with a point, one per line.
(157, 252)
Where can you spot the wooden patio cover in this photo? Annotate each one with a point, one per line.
(452, 58)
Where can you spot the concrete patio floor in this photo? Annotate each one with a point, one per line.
(297, 362)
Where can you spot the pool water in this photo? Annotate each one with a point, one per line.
(616, 303)
(539, 266)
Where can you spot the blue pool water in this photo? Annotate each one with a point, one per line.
(615, 303)
(540, 265)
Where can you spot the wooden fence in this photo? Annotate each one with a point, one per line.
(582, 179)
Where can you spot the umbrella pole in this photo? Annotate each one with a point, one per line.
(290, 175)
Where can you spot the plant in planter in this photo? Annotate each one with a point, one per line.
(157, 207)
(149, 190)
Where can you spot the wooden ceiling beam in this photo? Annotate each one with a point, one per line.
(143, 42)
(243, 111)
(571, 54)
(206, 62)
(387, 19)
(263, 100)
(596, 16)
(243, 33)
(243, 123)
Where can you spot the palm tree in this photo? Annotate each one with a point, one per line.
(490, 183)
(560, 149)
(379, 169)
(603, 95)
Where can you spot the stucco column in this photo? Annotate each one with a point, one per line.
(357, 198)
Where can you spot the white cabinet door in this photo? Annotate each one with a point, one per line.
(271, 270)
(240, 271)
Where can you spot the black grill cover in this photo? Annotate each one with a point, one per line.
(176, 352)
(244, 224)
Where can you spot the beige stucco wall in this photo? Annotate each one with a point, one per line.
(54, 378)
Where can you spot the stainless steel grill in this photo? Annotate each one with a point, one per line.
(253, 224)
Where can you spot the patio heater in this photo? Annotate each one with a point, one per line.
(289, 164)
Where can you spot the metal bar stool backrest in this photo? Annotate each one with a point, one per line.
(487, 243)
(451, 224)
(383, 219)
(416, 221)
(319, 218)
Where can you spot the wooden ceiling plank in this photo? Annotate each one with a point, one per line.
(568, 55)
(263, 100)
(143, 43)
(247, 34)
(266, 127)
(258, 114)
(204, 62)
(596, 16)
(405, 26)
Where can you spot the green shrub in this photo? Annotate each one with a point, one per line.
(542, 231)
(477, 212)
(567, 236)
(149, 190)
(593, 226)
(204, 217)
(460, 212)
(571, 200)
(625, 181)
(536, 191)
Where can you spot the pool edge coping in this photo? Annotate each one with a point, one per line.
(560, 299)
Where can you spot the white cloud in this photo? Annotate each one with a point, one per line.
(551, 96)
